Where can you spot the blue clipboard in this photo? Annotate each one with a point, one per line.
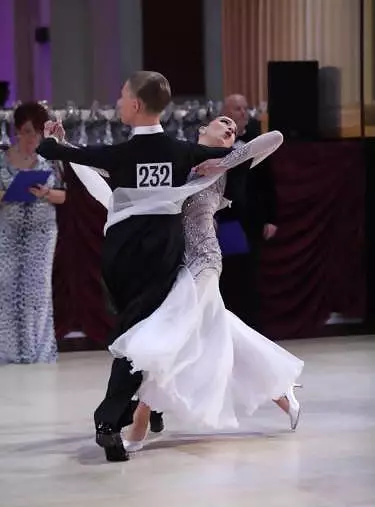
(18, 190)
(232, 239)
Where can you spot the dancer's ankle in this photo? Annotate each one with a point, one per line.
(283, 403)
(138, 430)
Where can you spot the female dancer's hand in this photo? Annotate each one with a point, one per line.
(209, 167)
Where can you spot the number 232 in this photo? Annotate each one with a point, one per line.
(154, 175)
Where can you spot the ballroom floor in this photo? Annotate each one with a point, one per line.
(48, 456)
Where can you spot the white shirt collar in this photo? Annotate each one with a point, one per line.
(147, 129)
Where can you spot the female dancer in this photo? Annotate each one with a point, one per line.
(200, 361)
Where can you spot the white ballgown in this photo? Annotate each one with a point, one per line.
(201, 362)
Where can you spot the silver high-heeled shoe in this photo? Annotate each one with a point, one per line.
(294, 408)
(133, 446)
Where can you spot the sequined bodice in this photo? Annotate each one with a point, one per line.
(202, 250)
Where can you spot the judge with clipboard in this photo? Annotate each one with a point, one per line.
(30, 187)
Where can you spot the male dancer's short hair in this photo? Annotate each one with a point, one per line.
(152, 88)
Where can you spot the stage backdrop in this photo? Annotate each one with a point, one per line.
(314, 266)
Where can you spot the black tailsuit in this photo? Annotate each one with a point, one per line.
(142, 254)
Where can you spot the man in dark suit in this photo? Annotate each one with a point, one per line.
(254, 206)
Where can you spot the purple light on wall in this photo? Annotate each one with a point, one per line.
(7, 57)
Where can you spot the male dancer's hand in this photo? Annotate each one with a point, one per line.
(209, 167)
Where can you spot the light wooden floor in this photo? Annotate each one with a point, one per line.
(48, 456)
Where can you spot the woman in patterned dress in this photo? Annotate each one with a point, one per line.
(28, 233)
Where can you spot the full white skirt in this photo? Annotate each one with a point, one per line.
(201, 362)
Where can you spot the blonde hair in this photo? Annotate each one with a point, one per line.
(152, 88)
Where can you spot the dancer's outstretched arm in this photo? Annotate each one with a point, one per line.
(55, 147)
(255, 151)
(102, 172)
(103, 157)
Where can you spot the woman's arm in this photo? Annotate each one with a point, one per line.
(54, 191)
(52, 195)
(55, 196)
(256, 150)
(202, 153)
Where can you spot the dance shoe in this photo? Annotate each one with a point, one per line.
(111, 442)
(294, 408)
(156, 422)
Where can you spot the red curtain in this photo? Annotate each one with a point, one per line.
(316, 263)
(314, 266)
(78, 298)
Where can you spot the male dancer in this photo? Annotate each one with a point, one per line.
(142, 254)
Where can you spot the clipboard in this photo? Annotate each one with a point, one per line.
(18, 190)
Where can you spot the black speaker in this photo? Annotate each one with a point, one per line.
(293, 98)
(42, 35)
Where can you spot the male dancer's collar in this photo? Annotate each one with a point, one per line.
(147, 129)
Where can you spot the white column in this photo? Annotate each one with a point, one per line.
(213, 49)
(106, 50)
(131, 41)
(71, 50)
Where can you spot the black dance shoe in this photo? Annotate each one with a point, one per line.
(156, 422)
(111, 442)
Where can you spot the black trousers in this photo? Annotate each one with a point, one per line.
(141, 260)
(239, 283)
(116, 409)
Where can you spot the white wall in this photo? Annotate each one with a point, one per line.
(130, 29)
(71, 52)
(106, 50)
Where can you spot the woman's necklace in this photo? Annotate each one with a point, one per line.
(24, 157)
(28, 159)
